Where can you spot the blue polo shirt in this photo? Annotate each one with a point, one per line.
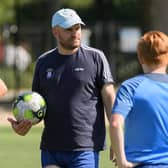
(143, 102)
(71, 86)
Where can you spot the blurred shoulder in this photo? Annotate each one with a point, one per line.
(97, 54)
(133, 83)
(47, 54)
(91, 49)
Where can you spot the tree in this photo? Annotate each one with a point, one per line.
(7, 10)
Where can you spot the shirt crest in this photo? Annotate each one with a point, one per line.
(49, 73)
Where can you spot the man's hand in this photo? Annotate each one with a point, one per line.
(22, 127)
(112, 157)
(128, 164)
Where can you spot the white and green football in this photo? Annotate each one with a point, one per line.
(30, 106)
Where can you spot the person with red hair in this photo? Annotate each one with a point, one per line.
(141, 108)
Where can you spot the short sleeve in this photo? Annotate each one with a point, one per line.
(124, 101)
(104, 73)
(125, 98)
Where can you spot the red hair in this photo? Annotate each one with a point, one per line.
(153, 48)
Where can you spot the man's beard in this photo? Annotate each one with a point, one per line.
(68, 45)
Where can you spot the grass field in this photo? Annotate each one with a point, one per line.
(23, 152)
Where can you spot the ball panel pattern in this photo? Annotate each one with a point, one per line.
(31, 106)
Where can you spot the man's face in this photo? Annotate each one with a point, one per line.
(70, 38)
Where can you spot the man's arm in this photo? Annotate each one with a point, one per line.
(108, 95)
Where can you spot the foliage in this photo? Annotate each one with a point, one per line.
(123, 2)
(127, 9)
(8, 9)
(27, 13)
(115, 8)
(127, 66)
(78, 4)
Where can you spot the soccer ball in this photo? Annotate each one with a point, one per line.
(30, 106)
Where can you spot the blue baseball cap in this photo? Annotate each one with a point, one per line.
(65, 18)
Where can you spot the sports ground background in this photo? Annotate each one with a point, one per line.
(17, 151)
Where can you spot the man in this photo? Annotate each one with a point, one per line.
(141, 106)
(76, 83)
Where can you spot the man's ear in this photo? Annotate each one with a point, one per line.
(54, 32)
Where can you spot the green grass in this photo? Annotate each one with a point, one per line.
(17, 151)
